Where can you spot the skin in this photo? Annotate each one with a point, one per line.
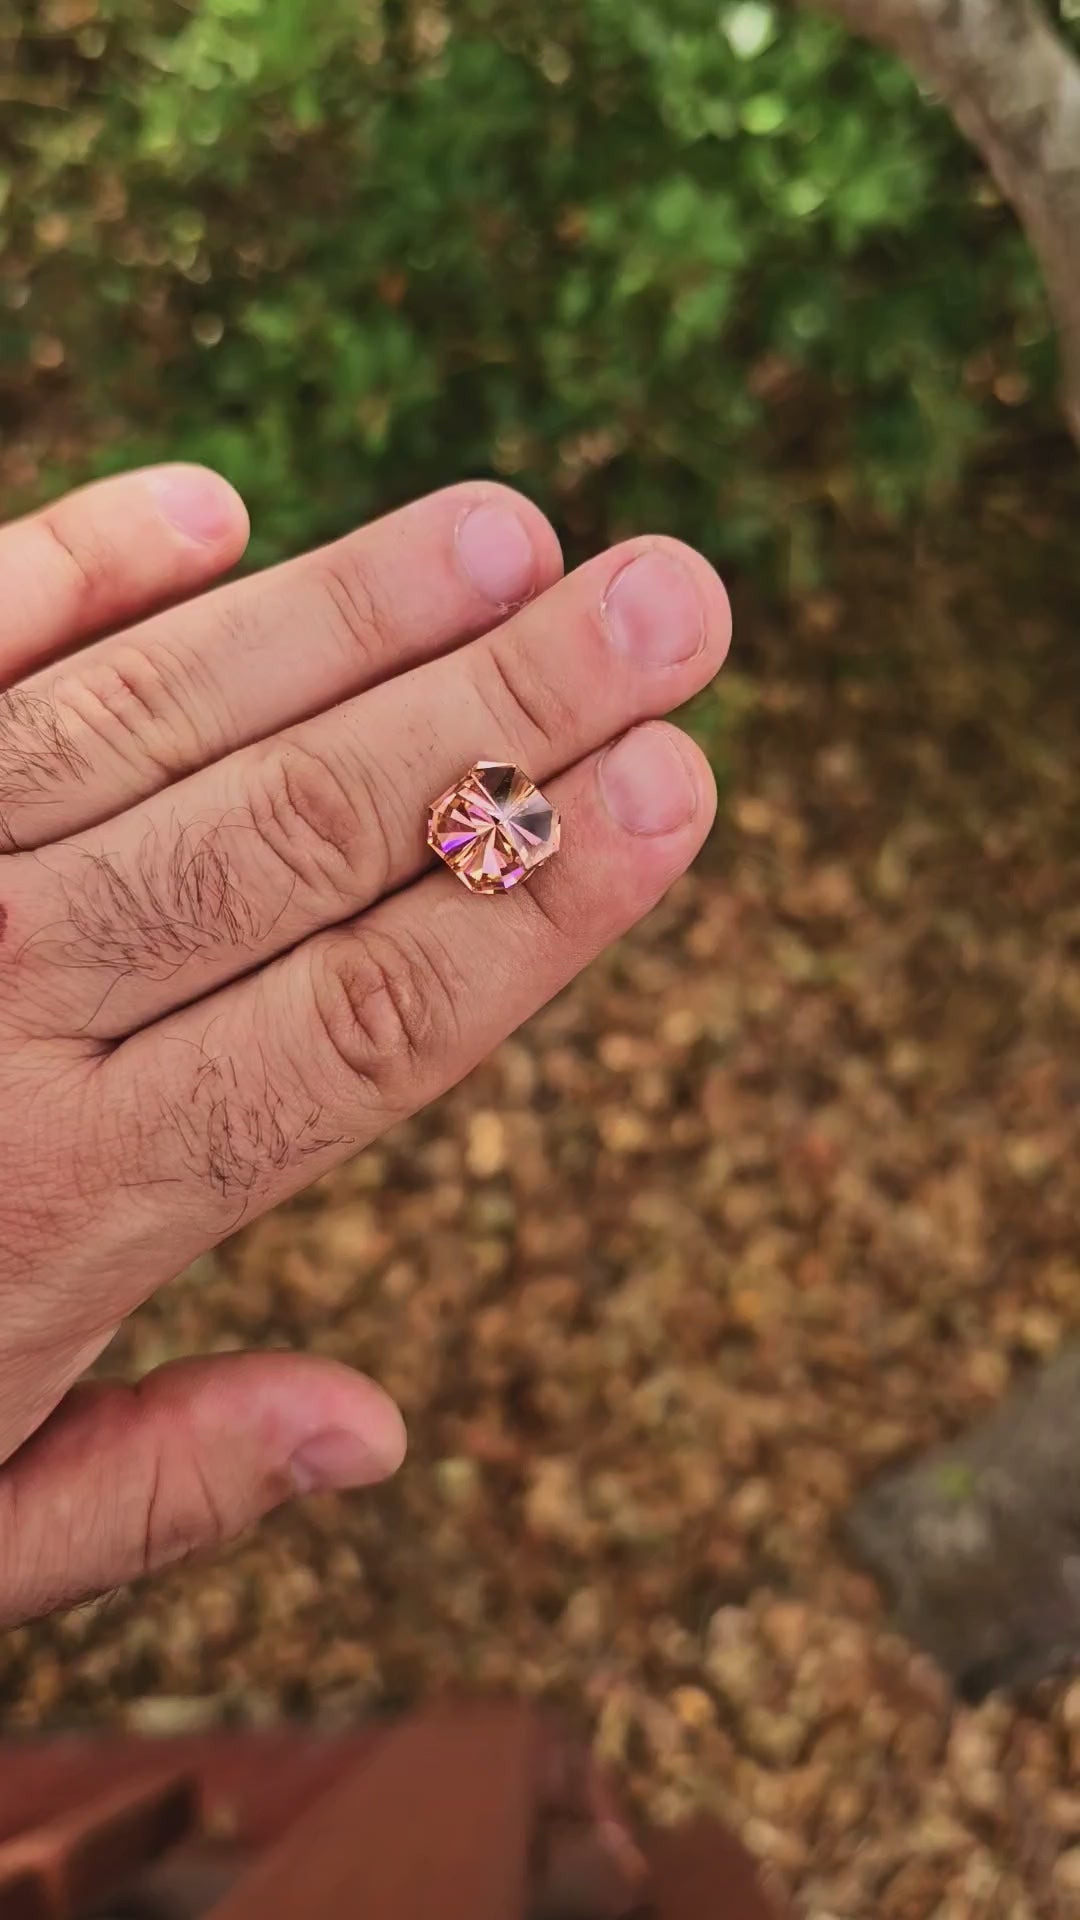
(226, 960)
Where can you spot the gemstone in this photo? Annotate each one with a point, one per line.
(493, 827)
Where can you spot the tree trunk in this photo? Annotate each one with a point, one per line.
(1012, 85)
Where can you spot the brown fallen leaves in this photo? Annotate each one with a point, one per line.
(782, 1192)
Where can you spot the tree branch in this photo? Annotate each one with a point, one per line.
(1013, 87)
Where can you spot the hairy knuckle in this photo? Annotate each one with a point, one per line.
(349, 587)
(37, 750)
(379, 1005)
(326, 829)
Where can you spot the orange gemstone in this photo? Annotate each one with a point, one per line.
(493, 828)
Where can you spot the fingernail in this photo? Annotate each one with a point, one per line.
(338, 1458)
(653, 613)
(497, 554)
(646, 783)
(199, 504)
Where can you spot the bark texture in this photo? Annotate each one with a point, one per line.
(1013, 86)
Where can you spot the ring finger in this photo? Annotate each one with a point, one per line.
(109, 553)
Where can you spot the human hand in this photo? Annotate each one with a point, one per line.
(225, 965)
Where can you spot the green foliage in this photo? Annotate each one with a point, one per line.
(707, 267)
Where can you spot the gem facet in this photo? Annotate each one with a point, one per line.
(493, 827)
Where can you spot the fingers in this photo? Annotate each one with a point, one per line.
(138, 711)
(123, 1480)
(244, 861)
(226, 1108)
(108, 554)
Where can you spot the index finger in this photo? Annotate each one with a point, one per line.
(139, 710)
(109, 553)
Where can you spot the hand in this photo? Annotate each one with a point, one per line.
(225, 961)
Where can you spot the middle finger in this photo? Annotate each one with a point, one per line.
(237, 864)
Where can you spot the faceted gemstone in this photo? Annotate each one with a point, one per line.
(493, 828)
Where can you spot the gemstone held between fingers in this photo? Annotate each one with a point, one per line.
(493, 827)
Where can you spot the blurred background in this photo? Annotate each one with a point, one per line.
(784, 1191)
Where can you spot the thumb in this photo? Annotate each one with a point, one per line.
(124, 1479)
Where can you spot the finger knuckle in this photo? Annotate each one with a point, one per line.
(182, 1512)
(139, 704)
(87, 558)
(348, 584)
(523, 697)
(384, 1007)
(326, 829)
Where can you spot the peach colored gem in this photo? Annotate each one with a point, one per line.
(493, 827)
